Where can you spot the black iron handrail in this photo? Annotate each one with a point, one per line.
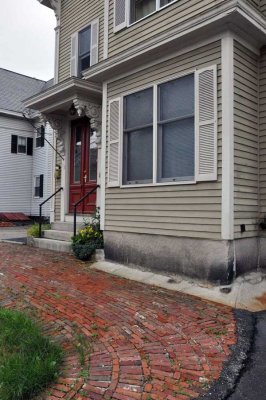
(78, 203)
(40, 212)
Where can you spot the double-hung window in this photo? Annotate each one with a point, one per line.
(22, 145)
(38, 186)
(84, 49)
(166, 133)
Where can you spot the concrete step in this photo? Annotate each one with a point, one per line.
(81, 218)
(64, 236)
(66, 226)
(51, 244)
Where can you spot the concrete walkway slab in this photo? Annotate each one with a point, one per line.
(248, 292)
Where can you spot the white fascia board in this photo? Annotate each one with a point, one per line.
(227, 220)
(11, 113)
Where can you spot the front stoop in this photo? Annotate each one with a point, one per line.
(58, 238)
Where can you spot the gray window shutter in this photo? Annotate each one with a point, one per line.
(206, 124)
(120, 14)
(94, 41)
(29, 146)
(74, 55)
(114, 132)
(14, 144)
(41, 186)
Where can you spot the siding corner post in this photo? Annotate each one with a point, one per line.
(103, 157)
(227, 227)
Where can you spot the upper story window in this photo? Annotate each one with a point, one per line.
(84, 49)
(128, 12)
(40, 137)
(84, 53)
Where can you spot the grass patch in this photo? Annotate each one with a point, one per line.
(28, 361)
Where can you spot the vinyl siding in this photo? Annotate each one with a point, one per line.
(263, 6)
(153, 25)
(16, 169)
(245, 140)
(76, 14)
(178, 210)
(42, 164)
(263, 134)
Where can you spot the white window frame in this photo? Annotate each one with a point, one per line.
(19, 152)
(128, 5)
(155, 133)
(89, 25)
(35, 186)
(38, 135)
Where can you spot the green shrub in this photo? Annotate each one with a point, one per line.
(88, 239)
(33, 230)
(28, 361)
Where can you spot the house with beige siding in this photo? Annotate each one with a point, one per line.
(162, 103)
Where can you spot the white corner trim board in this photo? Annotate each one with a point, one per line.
(228, 137)
(103, 156)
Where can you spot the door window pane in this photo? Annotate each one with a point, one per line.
(176, 150)
(93, 158)
(141, 8)
(139, 109)
(77, 155)
(139, 145)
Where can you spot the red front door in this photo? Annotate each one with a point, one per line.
(83, 166)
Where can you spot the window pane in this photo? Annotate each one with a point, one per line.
(177, 98)
(22, 144)
(85, 41)
(85, 63)
(77, 155)
(141, 8)
(93, 158)
(164, 2)
(176, 150)
(139, 109)
(138, 155)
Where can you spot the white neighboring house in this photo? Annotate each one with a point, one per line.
(26, 160)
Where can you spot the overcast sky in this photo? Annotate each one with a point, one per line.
(27, 38)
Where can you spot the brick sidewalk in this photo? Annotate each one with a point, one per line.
(122, 340)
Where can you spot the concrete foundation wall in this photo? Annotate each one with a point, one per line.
(209, 260)
(196, 258)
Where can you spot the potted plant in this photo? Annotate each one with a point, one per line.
(88, 239)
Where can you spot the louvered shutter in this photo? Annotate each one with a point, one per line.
(74, 55)
(206, 124)
(114, 136)
(29, 146)
(14, 144)
(41, 186)
(94, 41)
(42, 132)
(120, 14)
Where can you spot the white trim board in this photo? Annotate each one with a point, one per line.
(227, 227)
(103, 156)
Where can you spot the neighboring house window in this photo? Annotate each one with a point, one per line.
(38, 186)
(84, 49)
(169, 132)
(129, 11)
(21, 145)
(40, 137)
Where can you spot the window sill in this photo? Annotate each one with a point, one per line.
(158, 184)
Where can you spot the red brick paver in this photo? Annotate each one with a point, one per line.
(122, 340)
